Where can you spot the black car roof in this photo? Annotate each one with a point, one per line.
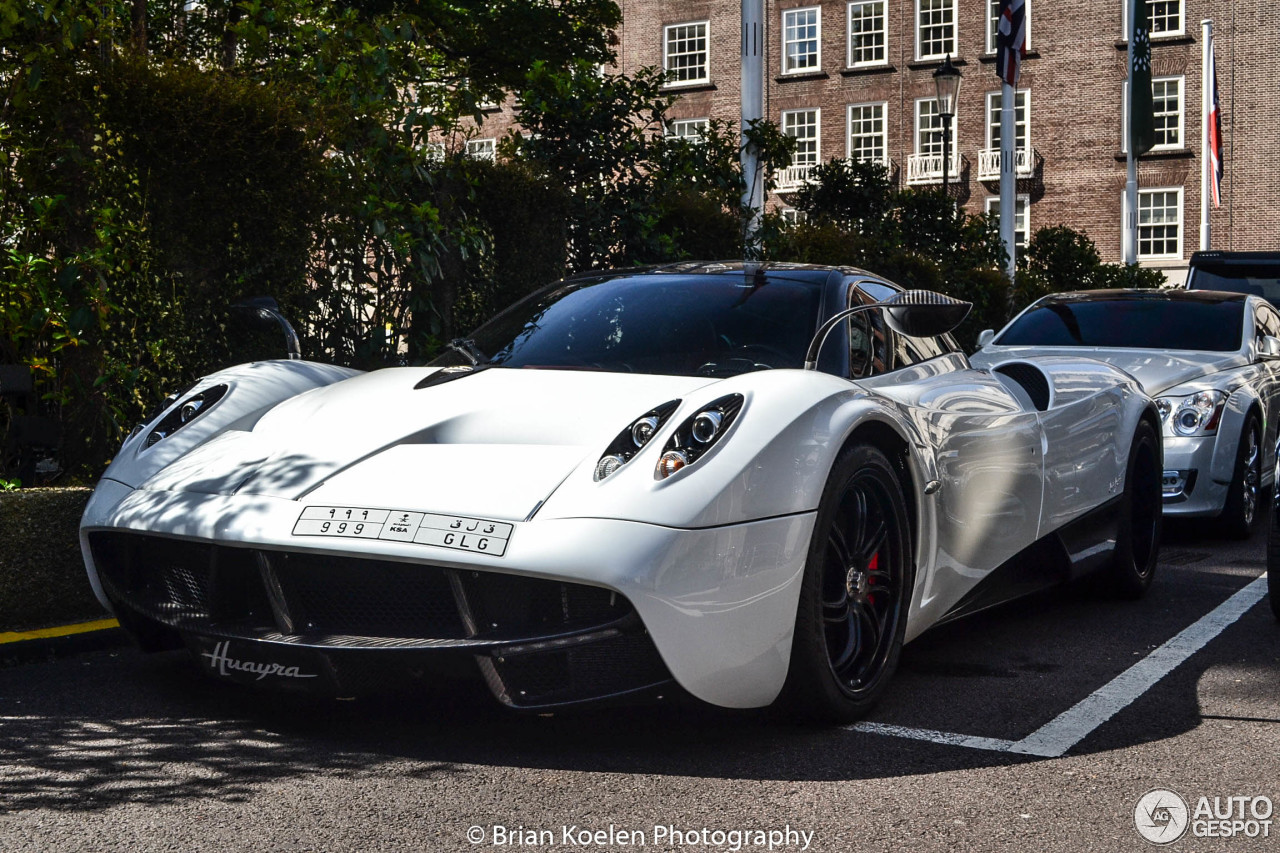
(769, 269)
(1216, 258)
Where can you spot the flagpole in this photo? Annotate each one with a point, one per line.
(752, 110)
(1206, 107)
(1008, 176)
(1131, 163)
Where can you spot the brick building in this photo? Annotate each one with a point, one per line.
(853, 78)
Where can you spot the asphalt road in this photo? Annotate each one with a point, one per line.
(119, 751)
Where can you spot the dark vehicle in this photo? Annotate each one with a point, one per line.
(1254, 273)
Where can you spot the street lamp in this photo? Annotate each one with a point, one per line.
(947, 82)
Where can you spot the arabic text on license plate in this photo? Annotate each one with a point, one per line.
(460, 533)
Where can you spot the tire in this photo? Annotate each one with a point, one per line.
(854, 597)
(1133, 564)
(1240, 515)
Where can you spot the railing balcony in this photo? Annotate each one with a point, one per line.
(1024, 163)
(927, 168)
(792, 178)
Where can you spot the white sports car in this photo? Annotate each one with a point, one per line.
(1212, 360)
(753, 481)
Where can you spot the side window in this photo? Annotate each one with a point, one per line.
(869, 353)
(897, 350)
(907, 351)
(1269, 321)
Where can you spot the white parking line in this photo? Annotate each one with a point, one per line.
(949, 738)
(1073, 725)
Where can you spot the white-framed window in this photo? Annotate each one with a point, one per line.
(685, 53)
(867, 139)
(1021, 217)
(929, 128)
(868, 33)
(804, 127)
(1168, 111)
(802, 40)
(935, 28)
(993, 22)
(792, 216)
(692, 129)
(434, 152)
(1167, 18)
(1167, 101)
(1021, 119)
(1159, 223)
(482, 149)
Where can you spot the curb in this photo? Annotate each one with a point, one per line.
(45, 644)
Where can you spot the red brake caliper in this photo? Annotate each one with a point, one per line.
(872, 566)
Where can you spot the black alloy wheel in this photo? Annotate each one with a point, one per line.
(1240, 515)
(1133, 564)
(855, 593)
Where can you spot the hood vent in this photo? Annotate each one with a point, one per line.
(1028, 379)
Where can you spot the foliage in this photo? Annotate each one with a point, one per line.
(523, 216)
(157, 162)
(919, 239)
(636, 195)
(1060, 259)
(853, 194)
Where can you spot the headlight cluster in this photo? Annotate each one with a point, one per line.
(1195, 415)
(697, 435)
(631, 439)
(182, 414)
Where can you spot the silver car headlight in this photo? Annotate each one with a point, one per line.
(1198, 414)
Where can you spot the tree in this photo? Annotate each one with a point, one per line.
(156, 163)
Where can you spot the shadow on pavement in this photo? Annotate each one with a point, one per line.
(110, 728)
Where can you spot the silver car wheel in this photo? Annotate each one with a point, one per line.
(1252, 474)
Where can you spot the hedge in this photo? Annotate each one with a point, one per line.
(42, 575)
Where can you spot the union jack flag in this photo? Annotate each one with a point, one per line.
(1215, 133)
(1011, 40)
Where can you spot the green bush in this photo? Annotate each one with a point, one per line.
(1059, 259)
(42, 575)
(143, 204)
(524, 220)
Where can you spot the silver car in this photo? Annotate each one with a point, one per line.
(1212, 361)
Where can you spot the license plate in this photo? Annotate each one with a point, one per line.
(461, 533)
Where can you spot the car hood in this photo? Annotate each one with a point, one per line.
(1156, 370)
(495, 443)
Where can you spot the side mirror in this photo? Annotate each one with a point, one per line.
(985, 337)
(923, 313)
(1269, 347)
(264, 312)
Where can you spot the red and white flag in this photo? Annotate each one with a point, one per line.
(1011, 40)
(1213, 160)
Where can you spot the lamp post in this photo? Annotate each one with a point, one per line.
(946, 81)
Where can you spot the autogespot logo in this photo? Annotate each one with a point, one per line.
(1161, 816)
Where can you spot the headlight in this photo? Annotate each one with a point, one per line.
(632, 439)
(185, 412)
(1198, 414)
(697, 435)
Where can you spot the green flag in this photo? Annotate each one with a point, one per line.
(1142, 129)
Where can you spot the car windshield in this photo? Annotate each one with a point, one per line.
(1261, 281)
(714, 325)
(1212, 325)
